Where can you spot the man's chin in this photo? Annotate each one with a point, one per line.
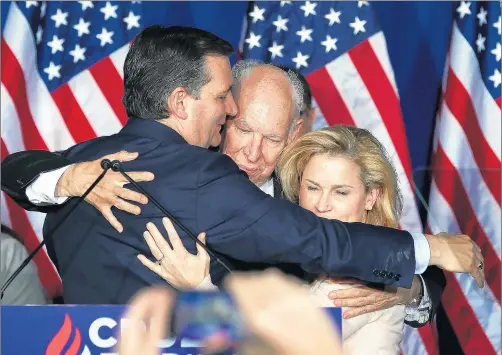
(216, 140)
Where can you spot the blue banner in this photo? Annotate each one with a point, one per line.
(79, 330)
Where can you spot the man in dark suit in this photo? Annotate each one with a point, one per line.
(177, 93)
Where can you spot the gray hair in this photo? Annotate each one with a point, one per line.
(243, 69)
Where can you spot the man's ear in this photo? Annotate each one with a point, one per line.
(308, 125)
(177, 103)
(294, 133)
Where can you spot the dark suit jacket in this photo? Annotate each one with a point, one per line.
(207, 192)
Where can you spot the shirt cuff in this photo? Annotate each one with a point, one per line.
(42, 190)
(206, 285)
(422, 252)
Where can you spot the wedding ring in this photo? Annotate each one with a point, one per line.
(160, 260)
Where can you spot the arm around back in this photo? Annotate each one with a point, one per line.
(244, 223)
(20, 169)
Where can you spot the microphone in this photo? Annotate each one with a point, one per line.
(117, 167)
(106, 165)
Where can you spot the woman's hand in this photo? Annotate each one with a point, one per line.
(177, 266)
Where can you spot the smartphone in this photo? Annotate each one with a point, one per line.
(200, 315)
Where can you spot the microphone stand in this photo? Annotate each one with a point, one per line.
(106, 165)
(117, 167)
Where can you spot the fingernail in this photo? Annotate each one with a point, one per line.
(338, 303)
(145, 234)
(345, 316)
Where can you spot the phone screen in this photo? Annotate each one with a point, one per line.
(200, 315)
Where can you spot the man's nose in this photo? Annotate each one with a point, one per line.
(232, 108)
(253, 149)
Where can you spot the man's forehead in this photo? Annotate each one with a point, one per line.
(220, 72)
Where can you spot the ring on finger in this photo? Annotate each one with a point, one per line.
(481, 265)
(160, 260)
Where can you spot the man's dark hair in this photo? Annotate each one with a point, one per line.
(307, 94)
(163, 58)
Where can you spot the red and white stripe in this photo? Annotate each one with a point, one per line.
(359, 88)
(465, 194)
(87, 106)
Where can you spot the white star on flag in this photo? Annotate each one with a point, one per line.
(305, 34)
(498, 25)
(362, 3)
(257, 14)
(86, 5)
(333, 16)
(482, 16)
(464, 9)
(496, 78)
(31, 3)
(358, 25)
(253, 40)
(105, 37)
(82, 27)
(109, 10)
(276, 50)
(43, 9)
(285, 3)
(280, 24)
(329, 43)
(53, 71)
(480, 42)
(497, 51)
(39, 34)
(308, 8)
(132, 20)
(78, 53)
(301, 60)
(56, 44)
(59, 18)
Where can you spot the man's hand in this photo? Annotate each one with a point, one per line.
(364, 299)
(457, 253)
(110, 191)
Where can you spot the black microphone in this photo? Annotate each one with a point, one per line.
(117, 166)
(106, 165)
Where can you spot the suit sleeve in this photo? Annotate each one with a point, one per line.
(246, 224)
(20, 169)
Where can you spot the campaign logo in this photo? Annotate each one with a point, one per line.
(67, 337)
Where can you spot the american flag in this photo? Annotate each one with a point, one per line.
(342, 51)
(465, 192)
(61, 84)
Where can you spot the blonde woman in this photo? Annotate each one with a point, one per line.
(340, 173)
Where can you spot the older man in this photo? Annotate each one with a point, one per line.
(266, 124)
(254, 139)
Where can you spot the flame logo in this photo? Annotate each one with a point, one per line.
(60, 340)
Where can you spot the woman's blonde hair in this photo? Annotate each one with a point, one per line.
(358, 145)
